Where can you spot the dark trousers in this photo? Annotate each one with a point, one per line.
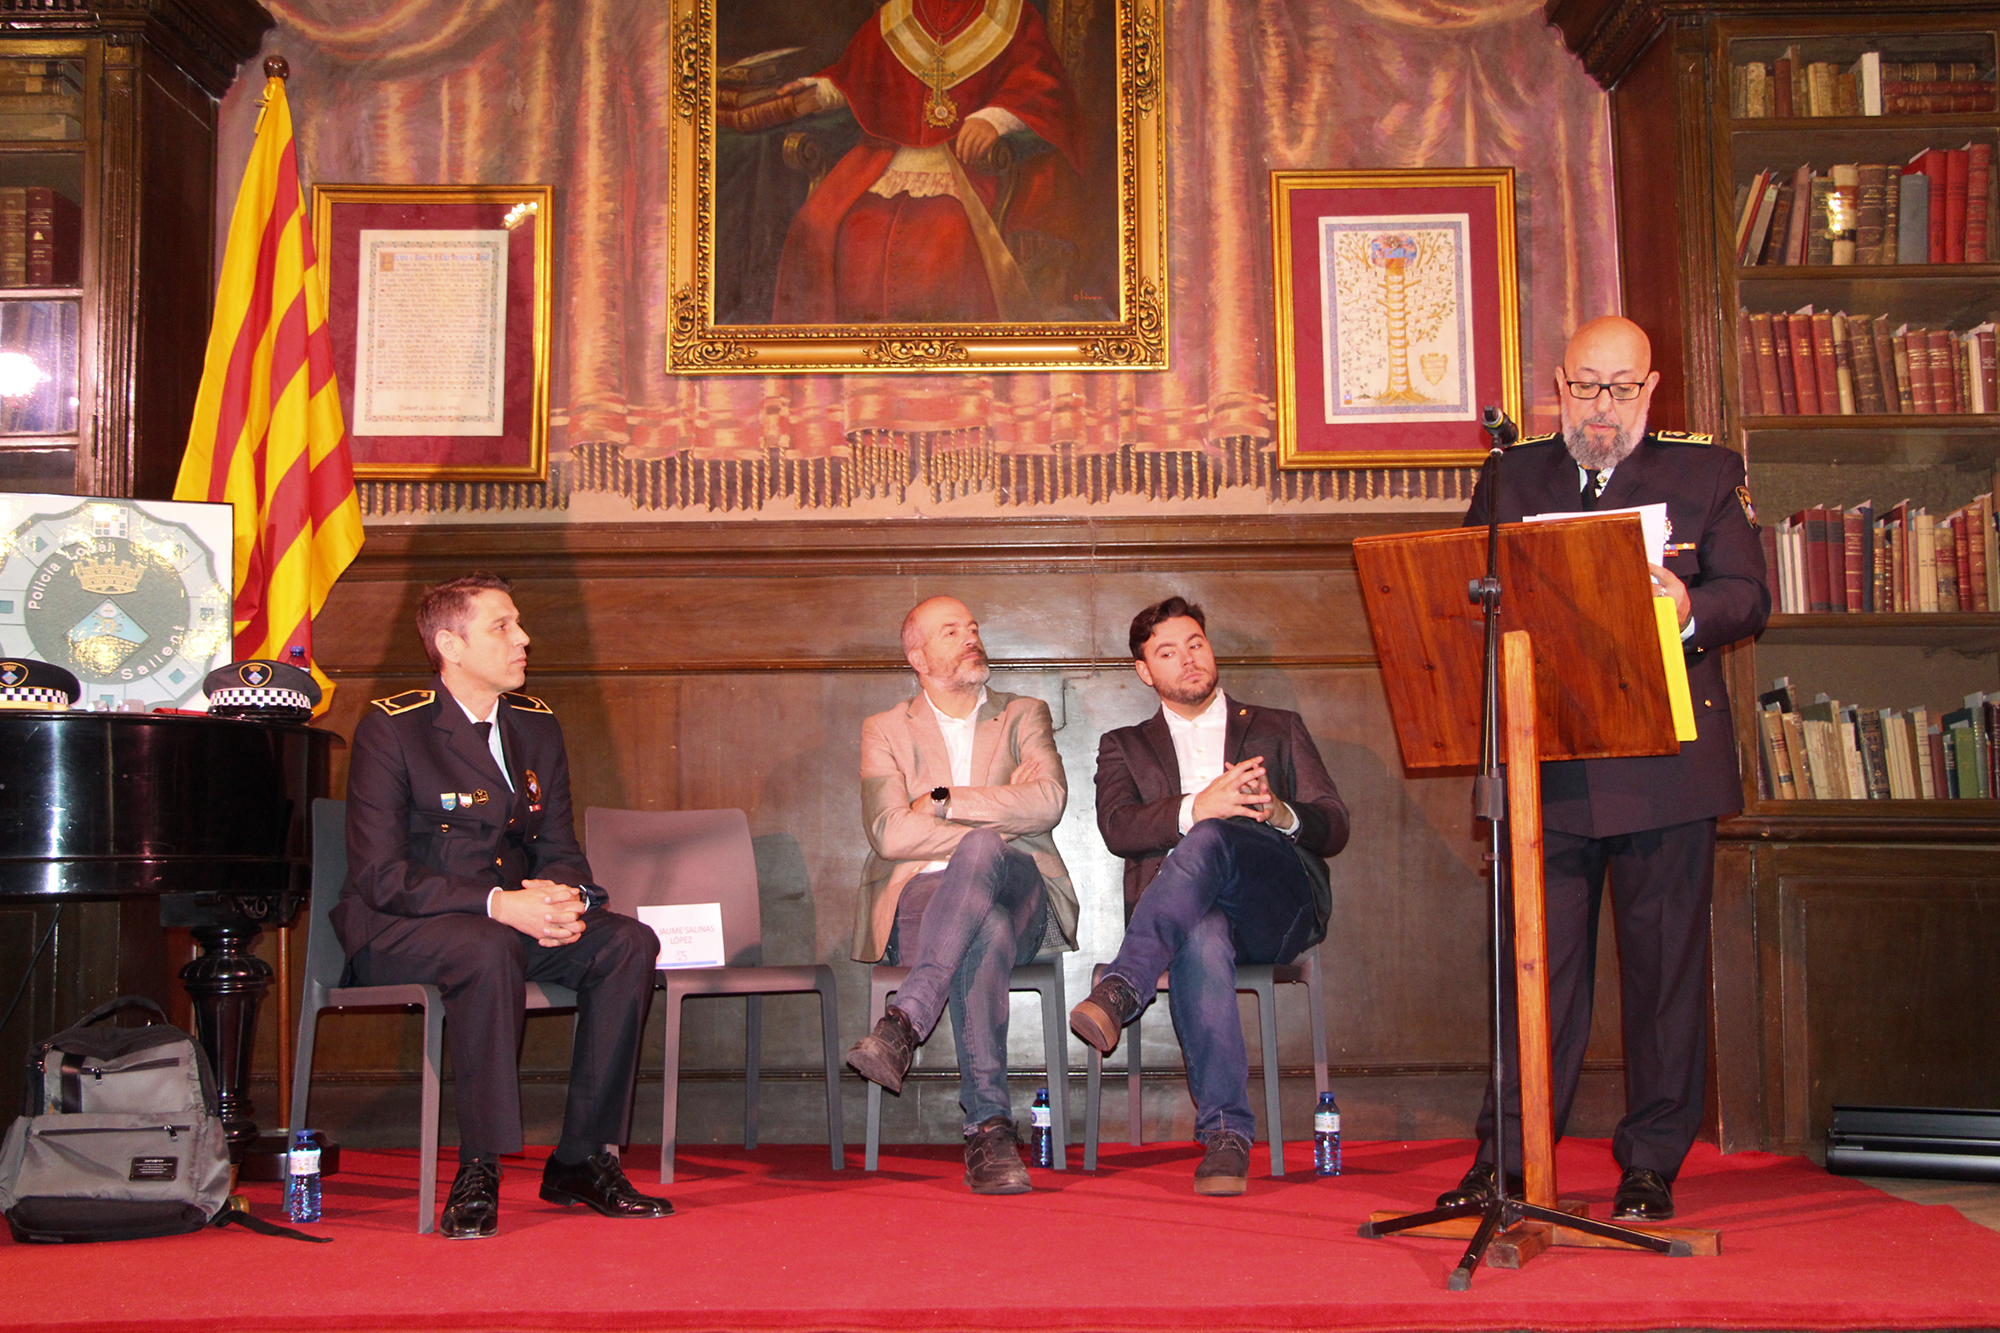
(482, 968)
(1662, 881)
(961, 931)
(1229, 892)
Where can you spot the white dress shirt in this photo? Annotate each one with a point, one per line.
(958, 746)
(1198, 753)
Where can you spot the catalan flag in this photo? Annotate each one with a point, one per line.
(267, 435)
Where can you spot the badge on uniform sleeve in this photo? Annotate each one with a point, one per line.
(534, 792)
(1749, 510)
(448, 799)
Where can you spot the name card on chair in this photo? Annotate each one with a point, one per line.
(690, 933)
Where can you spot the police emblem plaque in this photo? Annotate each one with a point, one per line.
(133, 596)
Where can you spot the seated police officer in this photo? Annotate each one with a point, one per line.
(464, 873)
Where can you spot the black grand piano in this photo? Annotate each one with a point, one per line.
(210, 816)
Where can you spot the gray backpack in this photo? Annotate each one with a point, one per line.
(120, 1136)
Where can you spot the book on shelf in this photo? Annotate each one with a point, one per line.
(1830, 363)
(1824, 220)
(1843, 211)
(1978, 204)
(40, 237)
(1870, 196)
(1860, 560)
(1794, 84)
(1913, 224)
(1830, 751)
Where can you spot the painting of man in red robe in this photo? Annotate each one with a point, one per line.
(962, 197)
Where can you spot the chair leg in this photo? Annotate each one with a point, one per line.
(427, 1124)
(1055, 1055)
(670, 1081)
(1093, 1090)
(753, 1050)
(1135, 1064)
(1267, 1023)
(878, 1004)
(302, 1058)
(1318, 1024)
(829, 1023)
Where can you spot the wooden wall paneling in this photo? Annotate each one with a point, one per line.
(1884, 996)
(732, 667)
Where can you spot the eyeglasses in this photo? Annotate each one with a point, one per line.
(1620, 393)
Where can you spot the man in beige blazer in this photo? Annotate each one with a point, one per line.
(960, 788)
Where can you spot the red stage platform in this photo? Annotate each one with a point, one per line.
(773, 1240)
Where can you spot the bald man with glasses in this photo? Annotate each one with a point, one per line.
(1649, 822)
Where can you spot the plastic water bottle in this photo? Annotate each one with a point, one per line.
(302, 1179)
(1045, 1144)
(1326, 1136)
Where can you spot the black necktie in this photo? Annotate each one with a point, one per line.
(1589, 496)
(485, 730)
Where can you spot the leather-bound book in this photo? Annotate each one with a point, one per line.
(1860, 345)
(1843, 363)
(1804, 367)
(1885, 359)
(1918, 359)
(1868, 212)
(1944, 372)
(1826, 365)
(1771, 399)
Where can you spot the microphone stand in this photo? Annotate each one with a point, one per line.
(1499, 1210)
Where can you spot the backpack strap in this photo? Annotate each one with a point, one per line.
(237, 1217)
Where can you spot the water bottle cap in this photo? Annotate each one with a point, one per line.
(1041, 1092)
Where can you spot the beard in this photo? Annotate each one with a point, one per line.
(968, 669)
(1598, 457)
(1191, 689)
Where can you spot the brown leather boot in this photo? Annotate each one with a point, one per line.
(884, 1055)
(993, 1159)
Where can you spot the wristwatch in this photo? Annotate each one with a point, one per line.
(940, 800)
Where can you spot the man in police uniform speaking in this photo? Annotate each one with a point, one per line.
(464, 873)
(1649, 821)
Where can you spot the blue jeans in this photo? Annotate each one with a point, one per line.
(961, 931)
(1230, 892)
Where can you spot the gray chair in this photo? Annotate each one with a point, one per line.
(325, 961)
(1264, 979)
(1044, 977)
(647, 858)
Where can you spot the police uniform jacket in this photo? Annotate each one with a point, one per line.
(431, 825)
(1713, 548)
(1139, 794)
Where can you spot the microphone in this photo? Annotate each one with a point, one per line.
(1500, 427)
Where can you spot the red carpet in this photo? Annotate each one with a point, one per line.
(773, 1240)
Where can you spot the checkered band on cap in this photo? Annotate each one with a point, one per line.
(30, 696)
(260, 697)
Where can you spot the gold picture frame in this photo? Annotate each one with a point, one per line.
(1358, 385)
(1106, 298)
(520, 450)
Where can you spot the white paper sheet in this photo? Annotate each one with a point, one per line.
(690, 933)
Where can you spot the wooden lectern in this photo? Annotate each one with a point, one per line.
(1583, 678)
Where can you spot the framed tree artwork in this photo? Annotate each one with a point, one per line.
(1398, 314)
(917, 185)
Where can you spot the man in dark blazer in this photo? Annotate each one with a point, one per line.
(464, 873)
(1225, 816)
(1649, 821)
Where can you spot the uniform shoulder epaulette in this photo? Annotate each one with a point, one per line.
(404, 702)
(1537, 439)
(1683, 437)
(527, 703)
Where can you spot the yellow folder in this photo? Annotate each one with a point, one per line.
(1673, 657)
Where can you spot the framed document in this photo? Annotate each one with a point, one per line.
(1398, 314)
(438, 305)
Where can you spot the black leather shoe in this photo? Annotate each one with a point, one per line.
(884, 1055)
(599, 1183)
(1225, 1167)
(1100, 1018)
(993, 1159)
(472, 1209)
(1643, 1196)
(1477, 1187)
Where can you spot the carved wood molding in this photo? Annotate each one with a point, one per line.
(1837, 824)
(208, 39)
(1267, 543)
(1609, 36)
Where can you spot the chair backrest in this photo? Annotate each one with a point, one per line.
(647, 858)
(325, 959)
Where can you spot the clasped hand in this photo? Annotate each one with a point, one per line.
(1028, 770)
(1240, 789)
(549, 913)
